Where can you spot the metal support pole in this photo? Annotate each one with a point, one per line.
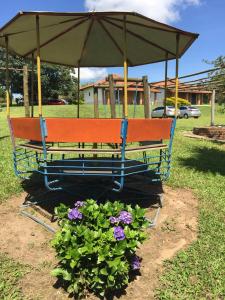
(7, 77)
(78, 93)
(150, 101)
(38, 67)
(32, 87)
(177, 72)
(165, 90)
(125, 67)
(26, 92)
(213, 108)
(96, 114)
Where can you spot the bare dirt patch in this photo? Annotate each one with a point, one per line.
(176, 229)
(29, 243)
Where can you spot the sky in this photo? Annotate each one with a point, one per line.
(206, 17)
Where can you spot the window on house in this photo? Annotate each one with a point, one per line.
(89, 94)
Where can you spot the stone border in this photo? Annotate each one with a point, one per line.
(215, 132)
(190, 134)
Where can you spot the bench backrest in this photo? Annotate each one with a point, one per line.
(140, 130)
(83, 130)
(26, 128)
(91, 130)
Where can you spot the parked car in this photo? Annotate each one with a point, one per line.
(66, 102)
(189, 112)
(158, 112)
(57, 102)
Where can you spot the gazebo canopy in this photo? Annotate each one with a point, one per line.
(94, 39)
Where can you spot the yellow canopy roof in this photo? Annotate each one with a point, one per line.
(94, 39)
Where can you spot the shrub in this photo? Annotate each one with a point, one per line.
(96, 246)
(180, 101)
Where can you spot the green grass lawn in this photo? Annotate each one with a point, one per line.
(197, 273)
(10, 274)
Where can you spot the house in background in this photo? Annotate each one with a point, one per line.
(195, 94)
(101, 89)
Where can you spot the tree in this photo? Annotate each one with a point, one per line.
(217, 79)
(180, 101)
(16, 77)
(56, 80)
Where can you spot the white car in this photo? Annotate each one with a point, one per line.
(158, 112)
(189, 111)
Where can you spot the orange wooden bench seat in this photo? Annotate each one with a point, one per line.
(66, 150)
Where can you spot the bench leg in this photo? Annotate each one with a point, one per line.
(49, 184)
(153, 222)
(119, 184)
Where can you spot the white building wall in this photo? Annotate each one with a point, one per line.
(89, 95)
(160, 98)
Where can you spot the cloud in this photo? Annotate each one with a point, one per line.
(91, 74)
(167, 11)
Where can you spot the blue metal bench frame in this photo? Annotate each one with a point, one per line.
(27, 161)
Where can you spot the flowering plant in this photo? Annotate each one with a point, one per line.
(96, 245)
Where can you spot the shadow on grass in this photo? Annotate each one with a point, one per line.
(108, 296)
(4, 137)
(206, 160)
(137, 190)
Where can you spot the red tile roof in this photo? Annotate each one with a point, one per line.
(119, 83)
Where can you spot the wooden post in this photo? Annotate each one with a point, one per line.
(213, 108)
(96, 107)
(177, 72)
(112, 97)
(107, 97)
(146, 96)
(210, 98)
(38, 67)
(7, 77)
(103, 97)
(141, 98)
(26, 92)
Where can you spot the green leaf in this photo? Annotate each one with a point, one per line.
(104, 271)
(73, 263)
(58, 272)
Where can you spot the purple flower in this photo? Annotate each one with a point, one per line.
(74, 214)
(113, 220)
(136, 263)
(125, 217)
(119, 234)
(79, 204)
